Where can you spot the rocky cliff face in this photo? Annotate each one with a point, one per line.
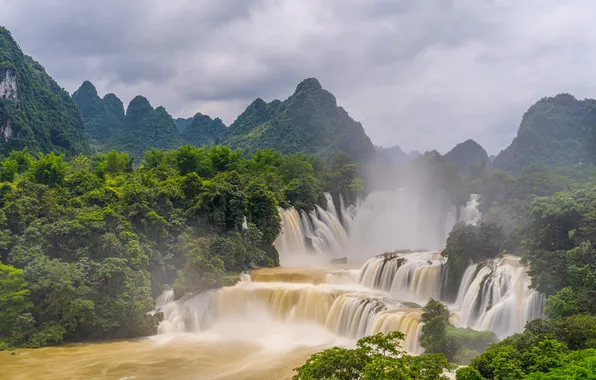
(35, 112)
(8, 85)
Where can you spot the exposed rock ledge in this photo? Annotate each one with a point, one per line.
(8, 86)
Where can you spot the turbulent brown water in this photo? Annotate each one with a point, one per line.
(147, 359)
(246, 342)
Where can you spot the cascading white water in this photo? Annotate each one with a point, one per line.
(189, 314)
(470, 213)
(311, 238)
(499, 298)
(384, 295)
(413, 277)
(383, 222)
(494, 296)
(346, 310)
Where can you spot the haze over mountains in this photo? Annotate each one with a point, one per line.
(309, 121)
(36, 112)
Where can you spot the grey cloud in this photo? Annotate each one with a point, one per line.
(423, 74)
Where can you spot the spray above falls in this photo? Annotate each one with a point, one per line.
(298, 304)
(383, 222)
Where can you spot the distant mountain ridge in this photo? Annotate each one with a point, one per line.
(556, 131)
(395, 155)
(203, 130)
(467, 154)
(309, 121)
(35, 112)
(138, 129)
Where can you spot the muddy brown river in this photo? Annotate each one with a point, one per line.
(153, 359)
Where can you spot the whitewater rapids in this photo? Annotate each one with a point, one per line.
(273, 319)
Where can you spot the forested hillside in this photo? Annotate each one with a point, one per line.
(142, 127)
(468, 156)
(202, 130)
(308, 122)
(103, 118)
(87, 243)
(556, 131)
(35, 112)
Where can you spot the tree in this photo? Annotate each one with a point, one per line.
(468, 373)
(376, 357)
(544, 346)
(468, 244)
(435, 317)
(49, 170)
(457, 344)
(14, 297)
(97, 238)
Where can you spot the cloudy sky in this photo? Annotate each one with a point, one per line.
(422, 74)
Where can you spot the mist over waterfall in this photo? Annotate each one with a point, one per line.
(470, 213)
(383, 222)
(310, 302)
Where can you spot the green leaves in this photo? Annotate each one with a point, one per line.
(457, 344)
(97, 238)
(376, 357)
(469, 244)
(14, 297)
(542, 348)
(468, 373)
(49, 170)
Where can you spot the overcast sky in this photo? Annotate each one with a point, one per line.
(422, 74)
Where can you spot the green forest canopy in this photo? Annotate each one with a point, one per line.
(86, 243)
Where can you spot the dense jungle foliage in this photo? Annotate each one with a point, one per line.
(375, 357)
(557, 131)
(87, 243)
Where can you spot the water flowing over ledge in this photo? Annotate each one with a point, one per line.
(383, 222)
(309, 302)
(345, 309)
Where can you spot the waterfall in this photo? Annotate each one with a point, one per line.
(470, 213)
(407, 277)
(494, 296)
(466, 282)
(352, 314)
(340, 306)
(499, 298)
(291, 240)
(312, 237)
(379, 272)
(383, 222)
(385, 294)
(189, 314)
(408, 322)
